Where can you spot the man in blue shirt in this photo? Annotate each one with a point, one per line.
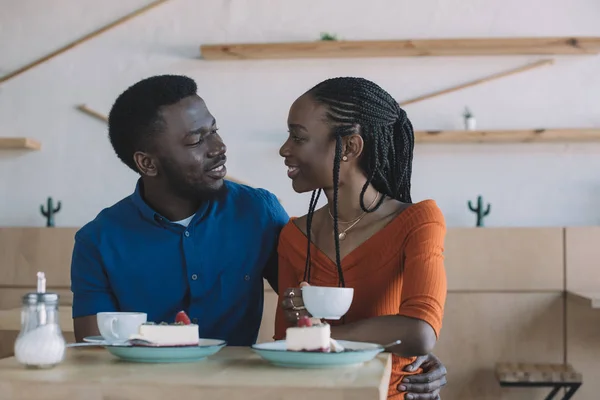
(186, 239)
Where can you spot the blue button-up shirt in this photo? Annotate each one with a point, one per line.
(131, 258)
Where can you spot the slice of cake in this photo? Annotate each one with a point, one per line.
(180, 333)
(309, 336)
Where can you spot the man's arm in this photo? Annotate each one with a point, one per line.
(270, 273)
(279, 218)
(85, 327)
(90, 286)
(427, 385)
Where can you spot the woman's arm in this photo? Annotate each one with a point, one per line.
(417, 337)
(419, 318)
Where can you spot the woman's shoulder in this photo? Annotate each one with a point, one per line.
(291, 236)
(291, 248)
(425, 211)
(426, 215)
(417, 215)
(297, 225)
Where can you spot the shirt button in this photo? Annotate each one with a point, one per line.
(195, 320)
(194, 277)
(247, 277)
(187, 234)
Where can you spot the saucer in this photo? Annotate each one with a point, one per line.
(147, 354)
(355, 353)
(94, 339)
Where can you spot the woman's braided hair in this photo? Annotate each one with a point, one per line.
(388, 145)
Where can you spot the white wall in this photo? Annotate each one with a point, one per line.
(527, 185)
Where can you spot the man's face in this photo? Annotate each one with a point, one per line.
(188, 154)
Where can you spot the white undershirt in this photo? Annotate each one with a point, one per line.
(185, 222)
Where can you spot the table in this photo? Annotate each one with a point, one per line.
(234, 373)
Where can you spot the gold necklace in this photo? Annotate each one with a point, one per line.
(342, 235)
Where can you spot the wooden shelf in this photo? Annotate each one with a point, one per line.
(402, 48)
(510, 136)
(19, 143)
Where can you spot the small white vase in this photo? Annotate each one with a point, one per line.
(470, 123)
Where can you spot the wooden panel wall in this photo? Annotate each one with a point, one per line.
(25, 251)
(506, 299)
(504, 259)
(583, 258)
(481, 329)
(583, 322)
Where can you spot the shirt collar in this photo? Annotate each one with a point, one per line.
(152, 215)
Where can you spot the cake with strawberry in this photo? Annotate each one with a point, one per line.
(180, 333)
(311, 335)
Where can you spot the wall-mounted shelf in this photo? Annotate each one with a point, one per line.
(403, 48)
(510, 136)
(86, 110)
(16, 143)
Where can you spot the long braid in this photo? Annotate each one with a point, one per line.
(311, 210)
(388, 142)
(336, 179)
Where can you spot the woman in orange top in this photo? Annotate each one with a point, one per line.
(351, 140)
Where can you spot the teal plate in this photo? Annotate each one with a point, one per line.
(144, 354)
(355, 353)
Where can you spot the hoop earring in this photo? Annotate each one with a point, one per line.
(344, 158)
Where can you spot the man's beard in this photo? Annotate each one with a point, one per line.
(186, 190)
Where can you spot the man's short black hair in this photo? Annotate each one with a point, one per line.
(135, 117)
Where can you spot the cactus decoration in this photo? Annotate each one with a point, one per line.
(50, 211)
(479, 210)
(470, 123)
(328, 37)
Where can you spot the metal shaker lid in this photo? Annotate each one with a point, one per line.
(41, 296)
(34, 298)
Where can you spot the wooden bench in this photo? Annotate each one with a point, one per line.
(555, 376)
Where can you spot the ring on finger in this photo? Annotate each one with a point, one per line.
(292, 303)
(292, 292)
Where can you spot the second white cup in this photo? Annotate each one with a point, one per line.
(119, 326)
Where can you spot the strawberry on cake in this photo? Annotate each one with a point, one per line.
(311, 335)
(181, 333)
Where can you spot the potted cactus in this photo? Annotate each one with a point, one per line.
(50, 211)
(470, 123)
(479, 210)
(328, 37)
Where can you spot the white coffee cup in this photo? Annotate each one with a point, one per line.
(119, 326)
(327, 302)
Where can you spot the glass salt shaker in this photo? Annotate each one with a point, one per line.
(40, 343)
